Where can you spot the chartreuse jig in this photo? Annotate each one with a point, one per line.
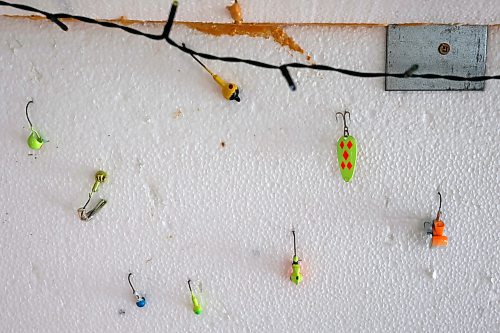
(197, 309)
(296, 276)
(346, 150)
(35, 141)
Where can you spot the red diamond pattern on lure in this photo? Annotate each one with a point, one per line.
(345, 154)
(342, 165)
(349, 165)
(349, 144)
(342, 145)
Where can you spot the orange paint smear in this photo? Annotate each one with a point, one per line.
(126, 21)
(263, 30)
(274, 31)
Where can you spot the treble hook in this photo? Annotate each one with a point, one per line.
(343, 115)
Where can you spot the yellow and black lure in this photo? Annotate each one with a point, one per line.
(230, 91)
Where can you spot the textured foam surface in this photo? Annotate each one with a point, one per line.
(332, 11)
(180, 205)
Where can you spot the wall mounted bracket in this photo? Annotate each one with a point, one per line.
(439, 49)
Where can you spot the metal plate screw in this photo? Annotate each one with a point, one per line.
(444, 48)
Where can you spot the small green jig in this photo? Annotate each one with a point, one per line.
(35, 141)
(296, 276)
(197, 309)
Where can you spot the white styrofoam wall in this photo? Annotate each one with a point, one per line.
(331, 11)
(180, 206)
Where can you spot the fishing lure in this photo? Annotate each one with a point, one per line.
(296, 276)
(140, 300)
(197, 309)
(346, 150)
(35, 141)
(436, 229)
(100, 177)
(230, 91)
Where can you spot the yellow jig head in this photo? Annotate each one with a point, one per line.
(230, 91)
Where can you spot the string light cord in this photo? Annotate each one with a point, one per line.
(165, 35)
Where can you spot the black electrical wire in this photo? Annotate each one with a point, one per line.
(56, 18)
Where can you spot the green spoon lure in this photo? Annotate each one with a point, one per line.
(346, 151)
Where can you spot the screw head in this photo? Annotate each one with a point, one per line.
(444, 48)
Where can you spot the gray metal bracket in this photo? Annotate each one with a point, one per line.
(437, 49)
